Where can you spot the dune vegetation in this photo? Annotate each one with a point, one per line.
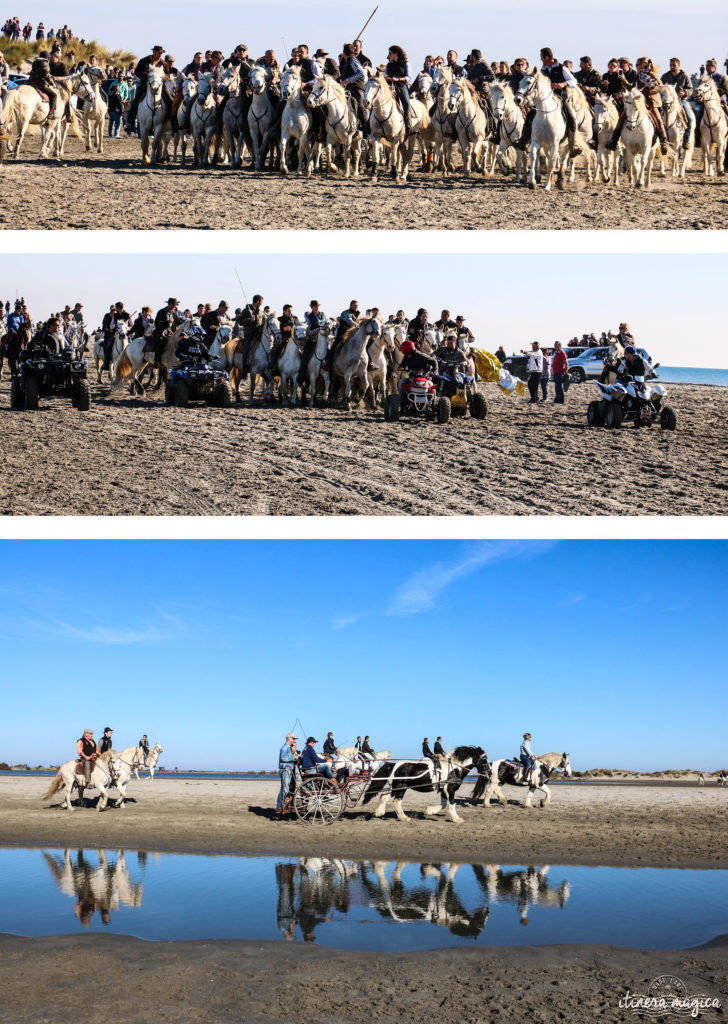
(19, 55)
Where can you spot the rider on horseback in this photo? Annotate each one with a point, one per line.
(212, 321)
(164, 322)
(349, 318)
(287, 323)
(527, 759)
(398, 74)
(87, 753)
(252, 321)
(561, 79)
(40, 77)
(141, 73)
(354, 80)
(651, 88)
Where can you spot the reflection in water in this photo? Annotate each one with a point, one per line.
(313, 889)
(101, 887)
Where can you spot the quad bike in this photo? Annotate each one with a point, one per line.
(49, 375)
(630, 400)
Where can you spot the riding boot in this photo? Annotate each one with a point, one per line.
(617, 133)
(525, 140)
(660, 129)
(570, 128)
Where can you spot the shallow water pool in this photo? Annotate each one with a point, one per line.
(362, 905)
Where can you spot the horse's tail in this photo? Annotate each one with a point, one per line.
(123, 367)
(55, 785)
(12, 115)
(74, 125)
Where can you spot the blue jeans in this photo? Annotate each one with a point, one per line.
(690, 114)
(559, 388)
(286, 773)
(545, 387)
(114, 124)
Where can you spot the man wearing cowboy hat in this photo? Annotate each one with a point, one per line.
(87, 752)
(141, 73)
(164, 321)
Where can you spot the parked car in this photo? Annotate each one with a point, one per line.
(589, 365)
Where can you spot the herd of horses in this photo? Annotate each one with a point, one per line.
(445, 111)
(111, 770)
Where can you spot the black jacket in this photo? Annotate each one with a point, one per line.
(163, 321)
(418, 362)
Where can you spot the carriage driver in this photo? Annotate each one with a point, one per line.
(87, 752)
(526, 757)
(312, 763)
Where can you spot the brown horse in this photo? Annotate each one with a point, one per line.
(12, 345)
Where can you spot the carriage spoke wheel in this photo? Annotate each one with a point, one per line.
(318, 801)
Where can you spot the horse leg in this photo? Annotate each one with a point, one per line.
(648, 167)
(547, 795)
(376, 146)
(533, 158)
(284, 147)
(397, 804)
(381, 806)
(448, 800)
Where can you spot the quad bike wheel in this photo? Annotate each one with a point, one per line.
(595, 414)
(82, 396)
(613, 416)
(222, 396)
(17, 398)
(668, 419)
(391, 408)
(31, 393)
(181, 394)
(478, 406)
(443, 410)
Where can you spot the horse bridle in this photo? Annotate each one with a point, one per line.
(325, 96)
(391, 109)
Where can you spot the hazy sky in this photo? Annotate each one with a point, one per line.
(614, 651)
(511, 299)
(661, 28)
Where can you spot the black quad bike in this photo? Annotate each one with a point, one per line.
(57, 375)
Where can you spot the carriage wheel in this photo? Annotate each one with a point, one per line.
(318, 801)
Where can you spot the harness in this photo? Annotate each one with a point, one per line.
(347, 110)
(392, 109)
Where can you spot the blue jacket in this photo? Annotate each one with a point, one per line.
(285, 756)
(15, 321)
(311, 758)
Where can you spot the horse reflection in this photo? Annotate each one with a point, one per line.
(101, 887)
(309, 893)
(527, 887)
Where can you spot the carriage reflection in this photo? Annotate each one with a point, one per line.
(99, 882)
(314, 890)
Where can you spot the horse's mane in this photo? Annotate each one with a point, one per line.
(553, 757)
(465, 85)
(707, 80)
(578, 99)
(350, 332)
(337, 88)
(461, 753)
(106, 756)
(383, 83)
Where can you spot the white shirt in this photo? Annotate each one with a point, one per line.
(535, 362)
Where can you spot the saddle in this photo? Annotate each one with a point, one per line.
(43, 95)
(79, 767)
(515, 764)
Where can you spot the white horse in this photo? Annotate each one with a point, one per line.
(342, 127)
(678, 132)
(235, 125)
(510, 128)
(606, 117)
(380, 351)
(318, 364)
(95, 108)
(203, 120)
(350, 756)
(121, 340)
(513, 773)
(152, 117)
(259, 355)
(75, 338)
(297, 124)
(639, 139)
(387, 123)
(138, 355)
(350, 359)
(26, 111)
(443, 121)
(105, 767)
(583, 132)
(713, 128)
(469, 122)
(151, 760)
(549, 126)
(189, 95)
(260, 115)
(289, 366)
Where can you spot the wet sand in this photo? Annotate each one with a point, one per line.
(121, 980)
(615, 825)
(114, 191)
(133, 456)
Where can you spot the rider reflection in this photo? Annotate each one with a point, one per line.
(101, 887)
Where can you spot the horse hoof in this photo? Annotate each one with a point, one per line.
(532, 185)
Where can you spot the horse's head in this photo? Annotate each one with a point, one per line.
(122, 331)
(224, 334)
(299, 334)
(565, 765)
(85, 89)
(273, 326)
(527, 88)
(634, 104)
(259, 78)
(229, 81)
(204, 87)
(373, 327)
(189, 87)
(705, 90)
(498, 100)
(155, 83)
(455, 94)
(290, 82)
(371, 90)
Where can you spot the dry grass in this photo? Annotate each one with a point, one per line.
(19, 55)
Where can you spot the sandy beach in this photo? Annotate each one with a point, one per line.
(133, 456)
(615, 825)
(214, 982)
(114, 191)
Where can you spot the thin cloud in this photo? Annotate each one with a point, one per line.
(424, 587)
(343, 621)
(106, 635)
(571, 600)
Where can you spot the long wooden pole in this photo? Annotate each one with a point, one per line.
(366, 25)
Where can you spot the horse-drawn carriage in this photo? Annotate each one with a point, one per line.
(319, 800)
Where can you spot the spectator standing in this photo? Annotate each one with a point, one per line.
(560, 367)
(533, 368)
(286, 765)
(545, 374)
(501, 354)
(116, 109)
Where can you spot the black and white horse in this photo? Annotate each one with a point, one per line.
(445, 777)
(512, 773)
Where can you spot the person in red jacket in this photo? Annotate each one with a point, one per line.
(560, 370)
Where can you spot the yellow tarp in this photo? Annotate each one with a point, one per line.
(487, 365)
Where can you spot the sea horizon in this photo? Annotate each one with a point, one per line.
(693, 375)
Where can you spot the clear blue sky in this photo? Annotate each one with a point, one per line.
(614, 651)
(662, 28)
(510, 299)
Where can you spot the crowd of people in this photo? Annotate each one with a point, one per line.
(14, 30)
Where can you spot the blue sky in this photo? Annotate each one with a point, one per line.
(510, 299)
(614, 651)
(501, 30)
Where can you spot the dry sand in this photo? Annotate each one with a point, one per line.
(131, 456)
(113, 191)
(611, 824)
(54, 980)
(121, 980)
